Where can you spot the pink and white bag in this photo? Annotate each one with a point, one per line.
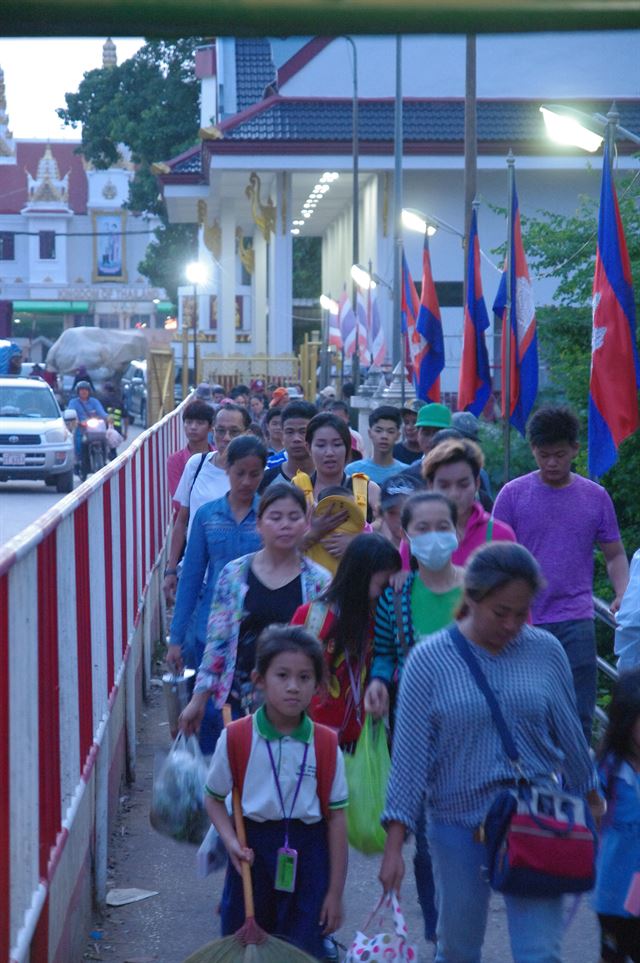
(383, 946)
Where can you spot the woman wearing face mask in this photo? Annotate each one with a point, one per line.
(426, 603)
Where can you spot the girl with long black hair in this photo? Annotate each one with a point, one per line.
(343, 619)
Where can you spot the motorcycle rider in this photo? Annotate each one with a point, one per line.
(118, 415)
(86, 406)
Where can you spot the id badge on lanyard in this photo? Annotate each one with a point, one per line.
(286, 857)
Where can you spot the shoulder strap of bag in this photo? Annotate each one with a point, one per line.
(325, 742)
(198, 470)
(481, 681)
(239, 738)
(316, 617)
(489, 535)
(402, 636)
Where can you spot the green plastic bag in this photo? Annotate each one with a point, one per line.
(367, 775)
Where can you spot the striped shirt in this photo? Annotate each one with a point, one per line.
(446, 746)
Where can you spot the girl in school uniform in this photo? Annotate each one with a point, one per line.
(290, 774)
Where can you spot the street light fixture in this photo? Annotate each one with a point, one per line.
(328, 304)
(570, 126)
(414, 221)
(363, 278)
(417, 221)
(197, 274)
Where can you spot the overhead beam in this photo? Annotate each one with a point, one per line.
(174, 18)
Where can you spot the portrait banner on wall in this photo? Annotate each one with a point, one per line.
(109, 246)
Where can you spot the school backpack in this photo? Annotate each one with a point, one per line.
(325, 740)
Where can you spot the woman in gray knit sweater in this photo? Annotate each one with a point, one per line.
(447, 749)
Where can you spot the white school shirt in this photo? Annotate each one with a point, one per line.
(212, 482)
(260, 799)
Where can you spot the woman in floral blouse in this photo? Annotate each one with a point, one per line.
(252, 592)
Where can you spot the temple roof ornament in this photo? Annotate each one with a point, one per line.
(7, 143)
(109, 54)
(47, 188)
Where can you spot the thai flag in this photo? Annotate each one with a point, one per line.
(475, 375)
(335, 333)
(370, 317)
(613, 386)
(414, 344)
(429, 325)
(348, 329)
(524, 339)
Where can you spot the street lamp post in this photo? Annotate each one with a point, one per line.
(196, 274)
(329, 307)
(355, 201)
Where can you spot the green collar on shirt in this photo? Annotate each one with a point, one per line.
(303, 732)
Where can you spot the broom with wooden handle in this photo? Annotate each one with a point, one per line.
(251, 944)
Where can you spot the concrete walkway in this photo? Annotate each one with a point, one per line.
(170, 926)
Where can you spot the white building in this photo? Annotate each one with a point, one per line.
(276, 115)
(68, 247)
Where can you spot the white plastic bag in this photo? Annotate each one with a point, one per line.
(211, 855)
(114, 438)
(383, 947)
(177, 800)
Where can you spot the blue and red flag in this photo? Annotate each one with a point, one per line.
(475, 375)
(613, 386)
(523, 374)
(414, 344)
(429, 326)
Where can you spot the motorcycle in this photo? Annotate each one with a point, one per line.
(93, 451)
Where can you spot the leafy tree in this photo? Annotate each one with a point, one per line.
(145, 108)
(307, 267)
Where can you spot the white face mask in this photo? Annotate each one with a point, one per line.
(433, 549)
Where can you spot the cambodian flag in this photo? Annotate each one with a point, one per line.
(429, 325)
(415, 345)
(475, 375)
(523, 375)
(613, 387)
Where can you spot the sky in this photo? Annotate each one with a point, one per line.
(39, 72)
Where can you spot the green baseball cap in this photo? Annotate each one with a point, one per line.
(434, 415)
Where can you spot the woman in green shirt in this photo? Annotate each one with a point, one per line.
(426, 603)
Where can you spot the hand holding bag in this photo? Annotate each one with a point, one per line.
(540, 840)
(383, 947)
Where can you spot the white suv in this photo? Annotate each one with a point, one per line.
(34, 440)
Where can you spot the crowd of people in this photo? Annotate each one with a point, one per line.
(316, 580)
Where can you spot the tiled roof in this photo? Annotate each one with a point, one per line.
(254, 70)
(190, 163)
(285, 122)
(13, 177)
(433, 121)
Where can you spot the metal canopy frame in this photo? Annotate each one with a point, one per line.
(173, 18)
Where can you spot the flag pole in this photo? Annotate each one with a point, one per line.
(506, 360)
(398, 354)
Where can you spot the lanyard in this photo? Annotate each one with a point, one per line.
(278, 787)
(356, 687)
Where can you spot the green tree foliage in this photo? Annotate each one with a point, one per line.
(307, 267)
(147, 108)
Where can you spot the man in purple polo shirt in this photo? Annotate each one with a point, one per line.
(561, 517)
